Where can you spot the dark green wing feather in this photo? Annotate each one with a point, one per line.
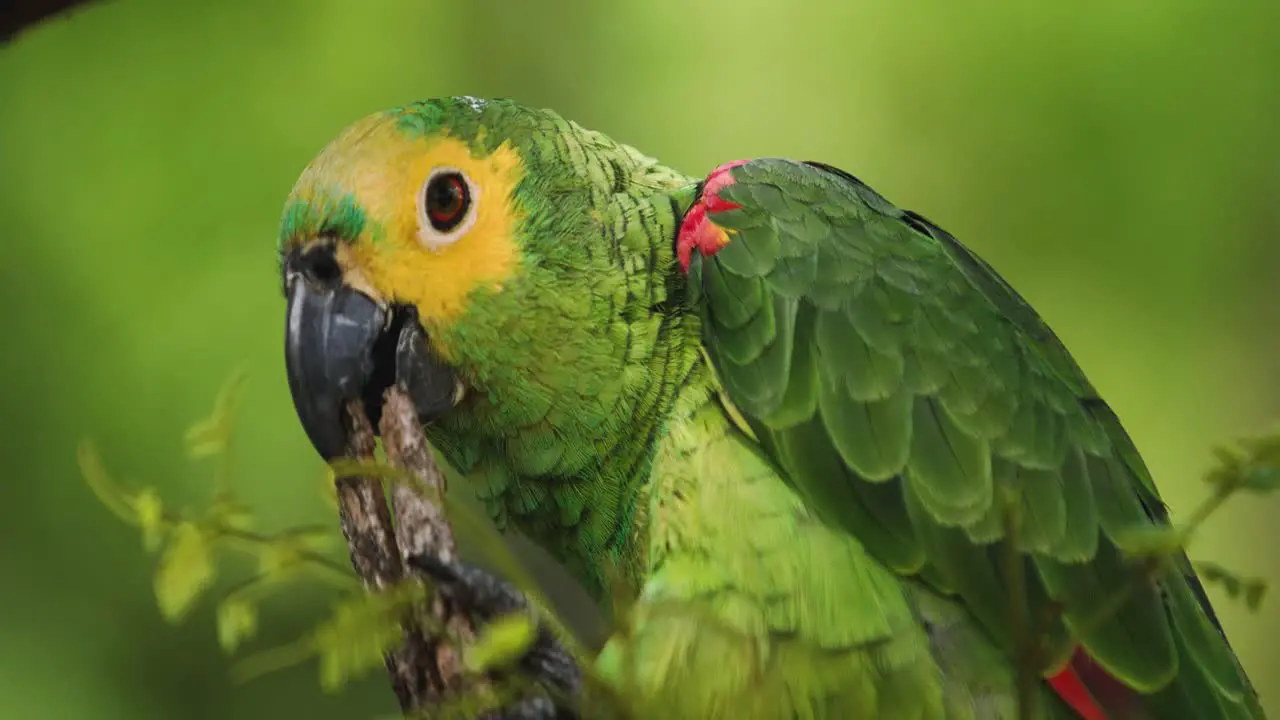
(911, 395)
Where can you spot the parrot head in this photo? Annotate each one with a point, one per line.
(467, 249)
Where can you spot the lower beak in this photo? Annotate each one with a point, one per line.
(341, 345)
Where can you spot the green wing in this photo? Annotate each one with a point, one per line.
(912, 396)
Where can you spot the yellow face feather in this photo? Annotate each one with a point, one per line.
(383, 169)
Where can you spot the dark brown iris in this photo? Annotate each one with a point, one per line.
(447, 199)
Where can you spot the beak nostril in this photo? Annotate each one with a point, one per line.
(320, 267)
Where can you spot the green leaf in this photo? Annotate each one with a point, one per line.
(1261, 480)
(1230, 467)
(185, 571)
(354, 639)
(356, 467)
(328, 490)
(502, 642)
(1149, 541)
(149, 510)
(212, 435)
(281, 556)
(205, 440)
(228, 512)
(104, 487)
(1253, 465)
(1248, 590)
(237, 622)
(1255, 589)
(1264, 450)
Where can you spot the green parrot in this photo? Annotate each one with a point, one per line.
(823, 450)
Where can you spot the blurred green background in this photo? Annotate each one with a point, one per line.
(1118, 162)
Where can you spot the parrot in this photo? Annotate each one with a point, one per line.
(836, 466)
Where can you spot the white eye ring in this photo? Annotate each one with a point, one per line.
(446, 207)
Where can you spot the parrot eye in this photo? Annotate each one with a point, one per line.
(446, 207)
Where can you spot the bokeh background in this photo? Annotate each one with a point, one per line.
(1118, 162)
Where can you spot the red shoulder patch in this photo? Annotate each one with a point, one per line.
(697, 232)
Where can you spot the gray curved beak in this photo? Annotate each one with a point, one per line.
(340, 344)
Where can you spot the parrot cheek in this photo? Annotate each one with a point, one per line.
(342, 345)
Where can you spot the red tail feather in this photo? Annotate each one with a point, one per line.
(1072, 690)
(1094, 694)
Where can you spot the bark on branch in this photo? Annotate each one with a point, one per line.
(425, 669)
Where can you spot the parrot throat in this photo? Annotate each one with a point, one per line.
(594, 519)
(563, 450)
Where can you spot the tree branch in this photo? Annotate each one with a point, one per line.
(18, 15)
(381, 538)
(422, 529)
(366, 524)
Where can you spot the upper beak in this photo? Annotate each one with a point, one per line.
(341, 344)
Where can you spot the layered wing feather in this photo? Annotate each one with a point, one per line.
(911, 396)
